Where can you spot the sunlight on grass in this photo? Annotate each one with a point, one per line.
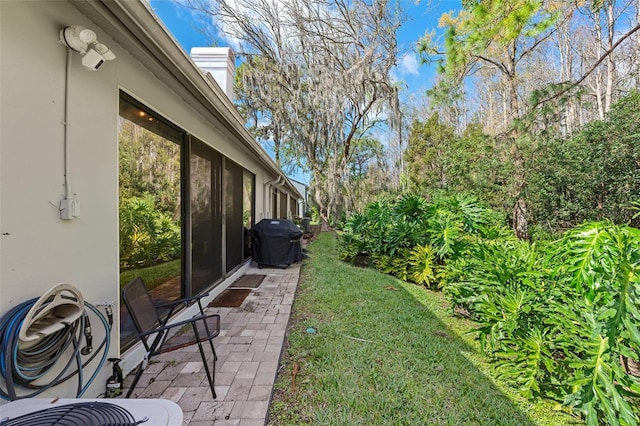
(385, 352)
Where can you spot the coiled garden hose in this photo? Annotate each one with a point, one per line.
(23, 365)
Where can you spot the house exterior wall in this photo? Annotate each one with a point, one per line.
(303, 203)
(37, 248)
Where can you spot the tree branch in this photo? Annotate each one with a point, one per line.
(604, 56)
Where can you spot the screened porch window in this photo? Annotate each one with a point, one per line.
(150, 208)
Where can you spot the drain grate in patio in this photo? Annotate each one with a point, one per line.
(230, 298)
(249, 281)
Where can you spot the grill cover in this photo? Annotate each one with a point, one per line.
(276, 242)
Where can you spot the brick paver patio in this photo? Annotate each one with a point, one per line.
(248, 348)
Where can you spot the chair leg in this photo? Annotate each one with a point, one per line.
(210, 378)
(136, 378)
(215, 355)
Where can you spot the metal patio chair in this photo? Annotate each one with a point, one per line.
(158, 337)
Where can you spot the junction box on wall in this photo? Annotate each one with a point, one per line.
(69, 208)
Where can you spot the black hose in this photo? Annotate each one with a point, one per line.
(24, 366)
(88, 336)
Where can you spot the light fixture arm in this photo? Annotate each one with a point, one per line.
(78, 38)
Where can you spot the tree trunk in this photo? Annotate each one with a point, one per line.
(610, 63)
(638, 47)
(598, 71)
(520, 225)
(520, 221)
(566, 66)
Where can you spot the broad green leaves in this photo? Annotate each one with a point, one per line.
(561, 320)
(411, 238)
(148, 236)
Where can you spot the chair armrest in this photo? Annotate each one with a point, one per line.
(177, 324)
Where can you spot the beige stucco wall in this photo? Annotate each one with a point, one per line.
(37, 248)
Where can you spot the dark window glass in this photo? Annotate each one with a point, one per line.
(206, 217)
(248, 213)
(283, 205)
(274, 204)
(233, 184)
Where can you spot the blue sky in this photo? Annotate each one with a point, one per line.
(423, 16)
(188, 31)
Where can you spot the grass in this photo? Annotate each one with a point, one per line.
(367, 349)
(153, 276)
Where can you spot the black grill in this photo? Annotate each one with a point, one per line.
(79, 414)
(276, 242)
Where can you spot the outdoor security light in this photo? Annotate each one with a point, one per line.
(85, 42)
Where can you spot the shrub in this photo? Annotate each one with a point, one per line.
(351, 245)
(558, 321)
(600, 263)
(423, 266)
(148, 236)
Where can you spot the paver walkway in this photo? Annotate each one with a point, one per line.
(248, 348)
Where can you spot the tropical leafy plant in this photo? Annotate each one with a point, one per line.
(561, 319)
(394, 265)
(527, 362)
(351, 245)
(470, 211)
(411, 207)
(490, 267)
(148, 236)
(601, 261)
(386, 229)
(444, 232)
(423, 266)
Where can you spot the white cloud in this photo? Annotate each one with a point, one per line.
(409, 65)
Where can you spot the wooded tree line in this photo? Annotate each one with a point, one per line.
(519, 82)
(591, 175)
(536, 74)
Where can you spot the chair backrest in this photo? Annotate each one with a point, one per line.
(138, 301)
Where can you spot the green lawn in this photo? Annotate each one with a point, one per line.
(367, 349)
(153, 276)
